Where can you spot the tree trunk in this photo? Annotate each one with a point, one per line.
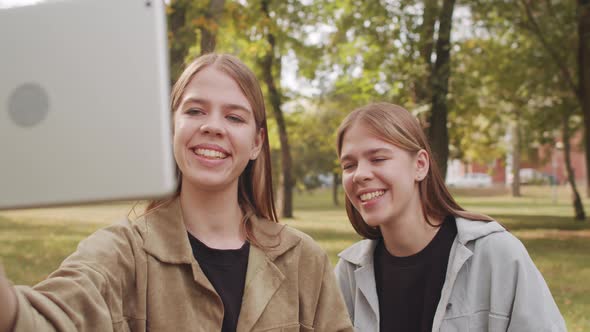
(181, 36)
(285, 192)
(571, 178)
(438, 132)
(335, 183)
(516, 159)
(209, 32)
(584, 77)
(422, 87)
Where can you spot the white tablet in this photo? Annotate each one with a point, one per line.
(84, 102)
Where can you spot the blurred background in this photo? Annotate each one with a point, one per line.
(502, 88)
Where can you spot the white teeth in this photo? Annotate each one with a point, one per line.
(368, 196)
(210, 153)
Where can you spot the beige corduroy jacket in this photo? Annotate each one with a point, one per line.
(141, 275)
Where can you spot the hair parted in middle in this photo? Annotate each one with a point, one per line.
(255, 191)
(396, 125)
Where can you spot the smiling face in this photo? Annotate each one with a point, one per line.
(379, 178)
(215, 132)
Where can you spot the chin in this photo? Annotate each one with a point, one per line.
(207, 183)
(373, 222)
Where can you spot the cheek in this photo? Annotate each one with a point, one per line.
(179, 126)
(180, 137)
(249, 140)
(183, 130)
(347, 184)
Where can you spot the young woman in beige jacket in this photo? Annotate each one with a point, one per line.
(212, 257)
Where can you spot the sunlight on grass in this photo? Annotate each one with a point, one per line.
(34, 242)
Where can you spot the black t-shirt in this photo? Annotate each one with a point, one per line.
(226, 270)
(409, 287)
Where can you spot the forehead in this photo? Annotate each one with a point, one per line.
(215, 86)
(359, 138)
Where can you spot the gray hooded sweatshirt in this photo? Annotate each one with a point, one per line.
(491, 284)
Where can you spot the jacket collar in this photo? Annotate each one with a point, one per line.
(470, 230)
(166, 239)
(361, 253)
(467, 231)
(361, 256)
(165, 236)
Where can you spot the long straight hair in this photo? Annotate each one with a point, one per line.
(397, 126)
(255, 191)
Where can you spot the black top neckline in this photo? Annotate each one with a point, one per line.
(419, 258)
(214, 256)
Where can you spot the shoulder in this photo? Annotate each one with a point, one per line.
(491, 242)
(360, 253)
(111, 247)
(123, 233)
(277, 239)
(501, 247)
(109, 256)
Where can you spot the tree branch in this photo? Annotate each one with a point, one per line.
(565, 73)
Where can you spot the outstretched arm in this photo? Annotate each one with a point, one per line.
(7, 303)
(85, 293)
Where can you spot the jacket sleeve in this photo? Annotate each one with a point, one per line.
(347, 286)
(85, 293)
(533, 307)
(331, 313)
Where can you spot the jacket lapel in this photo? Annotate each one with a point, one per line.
(263, 279)
(467, 231)
(458, 256)
(366, 302)
(165, 235)
(365, 279)
(166, 239)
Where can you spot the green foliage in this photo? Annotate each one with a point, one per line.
(313, 141)
(503, 73)
(352, 52)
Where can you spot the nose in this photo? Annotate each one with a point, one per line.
(362, 173)
(212, 126)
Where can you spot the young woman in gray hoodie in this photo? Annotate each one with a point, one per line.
(426, 264)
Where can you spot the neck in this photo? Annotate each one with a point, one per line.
(214, 217)
(408, 233)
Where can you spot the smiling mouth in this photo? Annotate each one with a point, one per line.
(372, 195)
(210, 154)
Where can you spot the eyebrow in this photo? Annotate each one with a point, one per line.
(366, 153)
(205, 102)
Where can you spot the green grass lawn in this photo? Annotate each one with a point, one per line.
(34, 242)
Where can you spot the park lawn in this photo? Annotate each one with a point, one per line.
(34, 242)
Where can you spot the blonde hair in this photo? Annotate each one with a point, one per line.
(397, 126)
(255, 192)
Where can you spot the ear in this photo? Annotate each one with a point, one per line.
(258, 141)
(422, 165)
